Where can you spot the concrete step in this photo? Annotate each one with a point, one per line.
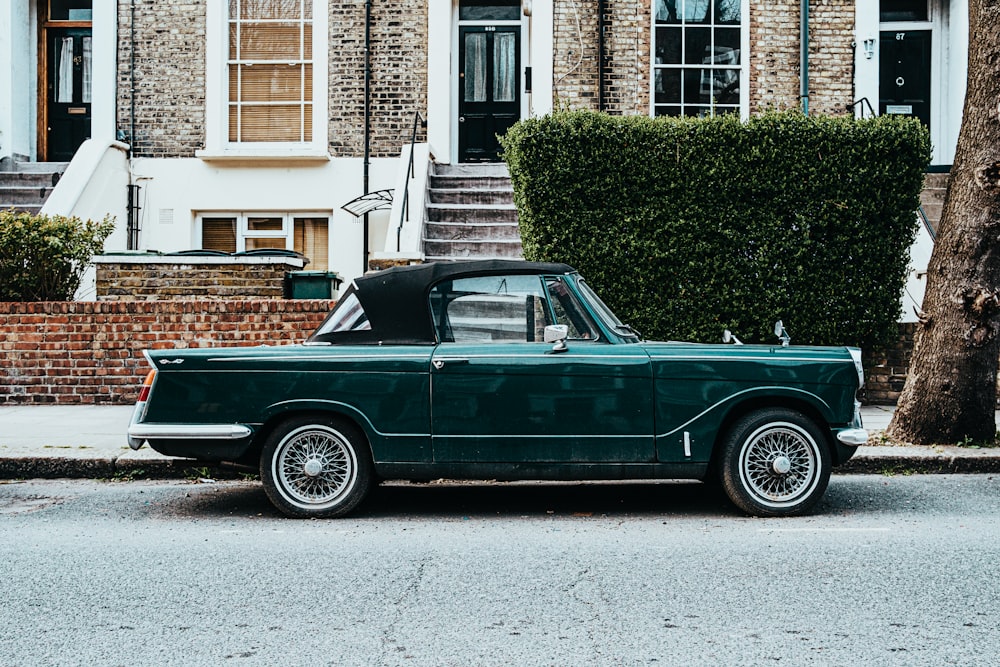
(470, 183)
(476, 231)
(24, 195)
(45, 179)
(463, 196)
(19, 208)
(510, 249)
(479, 169)
(471, 213)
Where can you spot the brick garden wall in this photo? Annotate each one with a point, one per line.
(148, 282)
(91, 352)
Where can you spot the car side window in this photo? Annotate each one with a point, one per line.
(568, 310)
(491, 309)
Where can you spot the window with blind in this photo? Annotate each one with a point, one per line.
(270, 71)
(240, 232)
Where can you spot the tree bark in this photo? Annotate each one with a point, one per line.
(951, 389)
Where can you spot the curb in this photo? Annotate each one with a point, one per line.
(127, 469)
(29, 467)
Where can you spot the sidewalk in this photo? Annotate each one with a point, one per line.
(88, 441)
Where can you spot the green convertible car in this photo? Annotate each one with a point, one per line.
(503, 370)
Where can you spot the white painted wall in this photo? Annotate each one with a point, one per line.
(949, 55)
(18, 91)
(174, 191)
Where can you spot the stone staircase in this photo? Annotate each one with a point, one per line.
(25, 186)
(471, 214)
(932, 197)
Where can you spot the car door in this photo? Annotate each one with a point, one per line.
(501, 394)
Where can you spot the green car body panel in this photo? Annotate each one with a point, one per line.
(611, 406)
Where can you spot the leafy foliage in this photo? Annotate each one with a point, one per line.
(690, 226)
(42, 258)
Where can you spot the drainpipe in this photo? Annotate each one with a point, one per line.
(368, 123)
(600, 54)
(132, 227)
(804, 59)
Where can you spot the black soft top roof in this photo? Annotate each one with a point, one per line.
(397, 304)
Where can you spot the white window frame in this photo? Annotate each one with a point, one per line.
(217, 144)
(744, 66)
(243, 231)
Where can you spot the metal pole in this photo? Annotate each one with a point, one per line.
(368, 78)
(804, 64)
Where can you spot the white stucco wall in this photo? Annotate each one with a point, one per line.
(174, 191)
(18, 91)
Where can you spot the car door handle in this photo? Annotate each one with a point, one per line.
(453, 361)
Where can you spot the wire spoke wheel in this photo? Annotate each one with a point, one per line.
(311, 468)
(778, 464)
(314, 465)
(775, 463)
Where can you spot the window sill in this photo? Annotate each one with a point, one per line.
(263, 155)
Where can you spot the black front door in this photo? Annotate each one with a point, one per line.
(68, 91)
(489, 89)
(905, 74)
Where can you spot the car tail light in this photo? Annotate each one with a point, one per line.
(146, 386)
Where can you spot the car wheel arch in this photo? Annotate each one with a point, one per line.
(322, 411)
(738, 411)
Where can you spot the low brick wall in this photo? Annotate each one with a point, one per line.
(885, 370)
(91, 352)
(154, 278)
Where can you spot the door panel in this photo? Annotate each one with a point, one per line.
(519, 402)
(68, 91)
(489, 89)
(905, 74)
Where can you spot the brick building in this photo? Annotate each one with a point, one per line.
(248, 124)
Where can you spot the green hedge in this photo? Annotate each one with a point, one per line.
(690, 226)
(42, 258)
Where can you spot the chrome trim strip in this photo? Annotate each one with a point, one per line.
(731, 397)
(853, 436)
(188, 431)
(326, 357)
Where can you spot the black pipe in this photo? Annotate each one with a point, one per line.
(368, 81)
(600, 55)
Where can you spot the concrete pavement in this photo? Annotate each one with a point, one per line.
(88, 441)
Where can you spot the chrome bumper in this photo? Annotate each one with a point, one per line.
(138, 434)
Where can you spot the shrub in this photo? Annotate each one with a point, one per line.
(43, 257)
(690, 226)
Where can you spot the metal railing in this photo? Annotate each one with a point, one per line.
(404, 213)
(863, 103)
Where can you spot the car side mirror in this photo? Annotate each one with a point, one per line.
(557, 333)
(779, 331)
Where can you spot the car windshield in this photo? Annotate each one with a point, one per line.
(606, 314)
(347, 316)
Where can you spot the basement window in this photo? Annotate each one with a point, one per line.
(306, 233)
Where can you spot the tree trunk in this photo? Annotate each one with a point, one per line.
(950, 391)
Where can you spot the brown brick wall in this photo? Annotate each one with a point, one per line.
(399, 75)
(627, 40)
(91, 352)
(574, 54)
(775, 55)
(831, 56)
(128, 282)
(167, 46)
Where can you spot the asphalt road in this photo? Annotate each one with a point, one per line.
(892, 570)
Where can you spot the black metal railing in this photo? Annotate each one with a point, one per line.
(863, 103)
(404, 213)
